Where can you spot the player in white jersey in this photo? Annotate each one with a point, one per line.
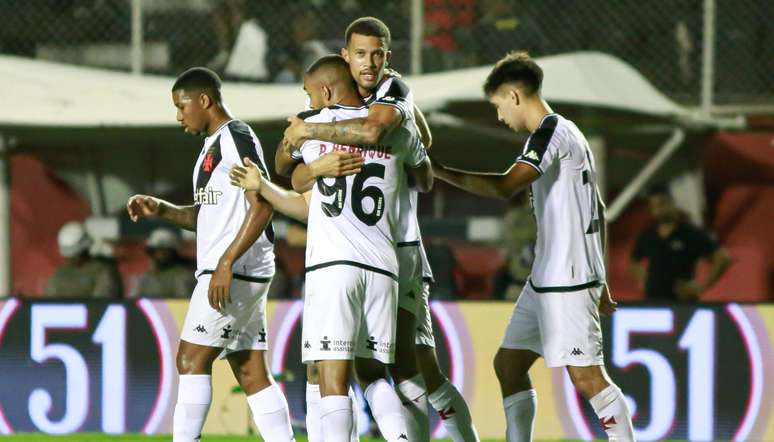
(367, 41)
(350, 304)
(557, 313)
(235, 264)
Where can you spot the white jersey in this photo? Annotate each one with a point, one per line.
(568, 254)
(394, 92)
(221, 207)
(354, 220)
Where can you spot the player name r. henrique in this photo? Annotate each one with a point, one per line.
(377, 151)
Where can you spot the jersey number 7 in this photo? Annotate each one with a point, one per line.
(359, 192)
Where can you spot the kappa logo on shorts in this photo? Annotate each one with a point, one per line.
(576, 351)
(307, 345)
(371, 343)
(226, 332)
(200, 328)
(403, 436)
(325, 344)
(262, 335)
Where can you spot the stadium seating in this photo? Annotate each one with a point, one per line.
(475, 270)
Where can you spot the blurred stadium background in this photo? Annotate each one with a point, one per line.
(674, 91)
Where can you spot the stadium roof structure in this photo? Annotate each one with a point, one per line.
(53, 95)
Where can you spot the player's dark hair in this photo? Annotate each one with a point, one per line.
(331, 60)
(370, 26)
(516, 67)
(659, 189)
(199, 79)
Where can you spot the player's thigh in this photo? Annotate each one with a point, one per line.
(523, 329)
(333, 309)
(589, 380)
(409, 279)
(376, 339)
(570, 328)
(405, 365)
(246, 315)
(423, 334)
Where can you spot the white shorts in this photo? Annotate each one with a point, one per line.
(563, 327)
(414, 293)
(242, 326)
(349, 312)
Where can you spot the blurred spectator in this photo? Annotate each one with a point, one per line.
(498, 22)
(80, 275)
(447, 23)
(519, 235)
(672, 247)
(242, 42)
(302, 49)
(169, 276)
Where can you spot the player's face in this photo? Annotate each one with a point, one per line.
(662, 207)
(367, 57)
(190, 111)
(509, 111)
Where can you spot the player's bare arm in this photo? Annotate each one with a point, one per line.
(334, 164)
(287, 202)
(424, 129)
(421, 177)
(283, 160)
(145, 206)
(503, 186)
(607, 305)
(371, 130)
(256, 219)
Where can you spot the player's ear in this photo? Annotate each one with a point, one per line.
(345, 54)
(387, 58)
(514, 95)
(327, 93)
(205, 100)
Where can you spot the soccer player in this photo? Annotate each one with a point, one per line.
(391, 110)
(235, 264)
(557, 314)
(351, 297)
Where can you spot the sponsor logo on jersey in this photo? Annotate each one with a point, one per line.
(207, 196)
(226, 332)
(532, 155)
(371, 343)
(262, 335)
(325, 343)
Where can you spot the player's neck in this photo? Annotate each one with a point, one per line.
(537, 110)
(349, 98)
(219, 118)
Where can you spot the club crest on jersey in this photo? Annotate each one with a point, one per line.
(207, 196)
(209, 160)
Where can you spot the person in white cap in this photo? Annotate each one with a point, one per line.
(169, 276)
(80, 275)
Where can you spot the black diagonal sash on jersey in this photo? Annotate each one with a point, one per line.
(243, 140)
(538, 142)
(211, 160)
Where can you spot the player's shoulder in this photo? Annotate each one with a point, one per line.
(321, 115)
(393, 88)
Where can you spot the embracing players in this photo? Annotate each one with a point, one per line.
(391, 110)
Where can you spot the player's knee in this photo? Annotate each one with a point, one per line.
(587, 381)
(369, 371)
(189, 364)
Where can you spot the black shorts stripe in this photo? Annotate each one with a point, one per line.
(408, 244)
(353, 264)
(261, 279)
(565, 288)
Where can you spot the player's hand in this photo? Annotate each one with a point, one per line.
(606, 304)
(336, 164)
(140, 206)
(219, 291)
(247, 177)
(688, 290)
(294, 134)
